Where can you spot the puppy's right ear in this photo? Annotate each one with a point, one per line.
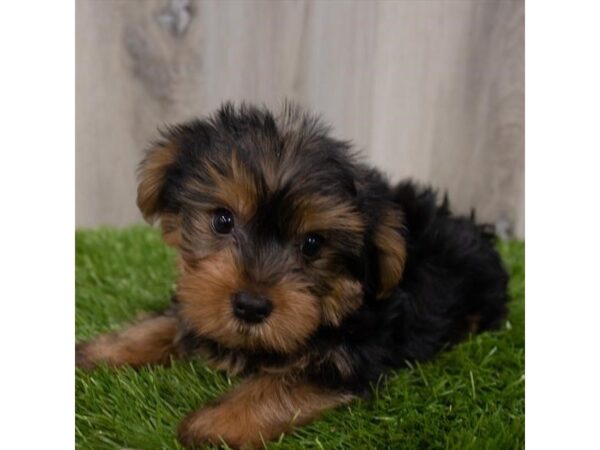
(153, 174)
(156, 190)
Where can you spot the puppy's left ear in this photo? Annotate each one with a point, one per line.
(391, 249)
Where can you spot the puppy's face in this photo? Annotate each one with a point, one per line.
(279, 231)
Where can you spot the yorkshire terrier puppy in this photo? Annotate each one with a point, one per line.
(301, 269)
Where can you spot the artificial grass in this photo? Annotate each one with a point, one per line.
(471, 397)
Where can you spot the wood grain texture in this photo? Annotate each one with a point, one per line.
(428, 89)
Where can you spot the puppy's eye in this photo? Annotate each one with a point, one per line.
(311, 245)
(222, 221)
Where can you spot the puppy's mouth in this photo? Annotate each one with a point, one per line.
(248, 330)
(253, 336)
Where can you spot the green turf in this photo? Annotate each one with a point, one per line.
(469, 398)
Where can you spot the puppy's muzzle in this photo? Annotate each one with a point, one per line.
(251, 308)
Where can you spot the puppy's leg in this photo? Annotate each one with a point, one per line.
(258, 410)
(149, 341)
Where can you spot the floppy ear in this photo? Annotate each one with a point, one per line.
(153, 189)
(152, 175)
(391, 249)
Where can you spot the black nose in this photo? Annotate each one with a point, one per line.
(250, 307)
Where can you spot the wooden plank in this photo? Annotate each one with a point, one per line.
(432, 90)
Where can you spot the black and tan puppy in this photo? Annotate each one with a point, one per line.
(300, 268)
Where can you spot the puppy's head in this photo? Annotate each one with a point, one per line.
(279, 230)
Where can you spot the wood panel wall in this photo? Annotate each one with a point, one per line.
(428, 89)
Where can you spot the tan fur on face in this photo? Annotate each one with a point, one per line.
(295, 315)
(260, 409)
(345, 297)
(205, 292)
(233, 187)
(323, 213)
(150, 341)
(392, 251)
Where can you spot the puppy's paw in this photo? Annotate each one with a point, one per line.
(83, 357)
(95, 352)
(216, 425)
(149, 341)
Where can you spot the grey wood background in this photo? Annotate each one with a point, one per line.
(428, 89)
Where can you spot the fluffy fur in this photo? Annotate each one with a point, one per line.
(396, 277)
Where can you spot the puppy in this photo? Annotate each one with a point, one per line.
(301, 269)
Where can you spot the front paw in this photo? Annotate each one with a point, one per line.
(83, 356)
(216, 425)
(91, 354)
